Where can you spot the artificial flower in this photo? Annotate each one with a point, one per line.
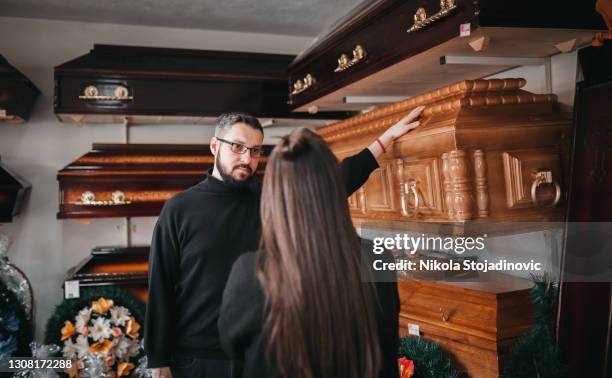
(134, 348)
(406, 367)
(68, 330)
(72, 371)
(132, 327)
(101, 347)
(124, 368)
(110, 360)
(101, 306)
(82, 318)
(121, 347)
(119, 315)
(70, 349)
(116, 331)
(100, 329)
(82, 345)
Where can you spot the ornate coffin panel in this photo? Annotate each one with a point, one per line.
(13, 192)
(396, 48)
(17, 94)
(485, 150)
(126, 267)
(129, 180)
(475, 322)
(157, 85)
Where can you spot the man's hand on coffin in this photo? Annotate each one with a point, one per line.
(382, 143)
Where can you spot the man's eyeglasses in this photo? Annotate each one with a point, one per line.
(238, 148)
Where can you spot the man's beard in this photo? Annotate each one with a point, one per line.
(231, 180)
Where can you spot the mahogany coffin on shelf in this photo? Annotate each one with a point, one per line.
(13, 191)
(125, 267)
(17, 94)
(130, 180)
(174, 86)
(485, 151)
(401, 48)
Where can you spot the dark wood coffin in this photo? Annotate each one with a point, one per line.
(130, 180)
(400, 48)
(156, 85)
(13, 191)
(121, 266)
(17, 94)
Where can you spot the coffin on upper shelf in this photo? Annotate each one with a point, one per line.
(17, 94)
(129, 180)
(111, 84)
(399, 48)
(13, 191)
(486, 151)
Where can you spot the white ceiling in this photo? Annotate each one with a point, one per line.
(292, 17)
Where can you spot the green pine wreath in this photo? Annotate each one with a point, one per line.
(15, 328)
(69, 308)
(536, 354)
(430, 360)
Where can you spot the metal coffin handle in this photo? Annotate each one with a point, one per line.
(542, 178)
(406, 189)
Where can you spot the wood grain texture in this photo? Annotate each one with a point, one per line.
(474, 157)
(147, 174)
(475, 322)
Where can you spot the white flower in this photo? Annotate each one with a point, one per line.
(100, 329)
(133, 348)
(82, 318)
(121, 347)
(70, 349)
(82, 345)
(119, 315)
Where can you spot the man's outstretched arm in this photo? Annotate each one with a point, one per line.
(357, 168)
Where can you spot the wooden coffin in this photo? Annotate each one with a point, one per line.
(17, 94)
(398, 48)
(126, 267)
(475, 322)
(156, 85)
(13, 192)
(485, 151)
(130, 180)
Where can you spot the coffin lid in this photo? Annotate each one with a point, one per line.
(112, 265)
(199, 68)
(477, 39)
(451, 98)
(17, 93)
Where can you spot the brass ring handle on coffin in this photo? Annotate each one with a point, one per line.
(541, 178)
(406, 189)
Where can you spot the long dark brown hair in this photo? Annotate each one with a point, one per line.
(320, 315)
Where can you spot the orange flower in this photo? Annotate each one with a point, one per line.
(68, 330)
(132, 327)
(72, 371)
(103, 346)
(124, 368)
(406, 367)
(101, 306)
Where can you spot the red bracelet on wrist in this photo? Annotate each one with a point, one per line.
(381, 145)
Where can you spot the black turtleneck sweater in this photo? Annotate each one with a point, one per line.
(199, 235)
